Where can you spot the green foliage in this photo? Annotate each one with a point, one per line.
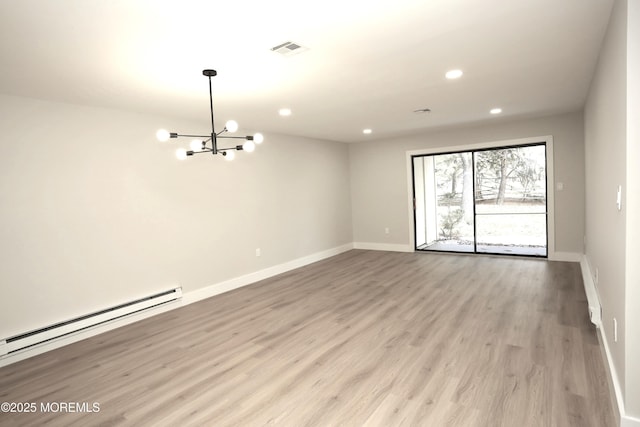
(449, 223)
(518, 171)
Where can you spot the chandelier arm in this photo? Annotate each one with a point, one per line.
(193, 136)
(248, 138)
(236, 148)
(191, 152)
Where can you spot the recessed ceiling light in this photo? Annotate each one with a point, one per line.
(367, 131)
(284, 112)
(453, 74)
(496, 110)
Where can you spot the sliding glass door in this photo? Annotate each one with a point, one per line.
(483, 201)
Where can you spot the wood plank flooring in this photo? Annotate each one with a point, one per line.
(361, 339)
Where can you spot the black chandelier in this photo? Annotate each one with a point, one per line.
(199, 143)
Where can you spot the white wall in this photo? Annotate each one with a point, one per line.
(632, 297)
(95, 212)
(379, 189)
(612, 142)
(605, 144)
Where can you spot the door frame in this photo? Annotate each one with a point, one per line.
(547, 140)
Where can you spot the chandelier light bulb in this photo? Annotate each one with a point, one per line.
(181, 154)
(231, 126)
(163, 135)
(249, 146)
(229, 155)
(195, 145)
(453, 74)
(258, 138)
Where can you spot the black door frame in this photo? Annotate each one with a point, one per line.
(543, 143)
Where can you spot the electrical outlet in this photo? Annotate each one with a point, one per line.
(258, 252)
(386, 230)
(615, 330)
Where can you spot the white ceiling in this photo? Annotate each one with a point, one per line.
(368, 64)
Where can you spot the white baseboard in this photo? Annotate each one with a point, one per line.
(247, 279)
(390, 247)
(555, 256)
(625, 420)
(187, 298)
(596, 318)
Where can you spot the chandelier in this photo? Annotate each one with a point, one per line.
(200, 143)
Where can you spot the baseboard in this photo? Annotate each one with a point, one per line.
(565, 256)
(594, 303)
(625, 420)
(247, 279)
(187, 298)
(390, 247)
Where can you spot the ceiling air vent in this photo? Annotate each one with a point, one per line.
(288, 49)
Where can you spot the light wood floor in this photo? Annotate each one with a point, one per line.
(364, 338)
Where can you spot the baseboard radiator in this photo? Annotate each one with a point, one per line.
(40, 336)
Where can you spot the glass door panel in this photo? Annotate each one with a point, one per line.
(443, 189)
(511, 200)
